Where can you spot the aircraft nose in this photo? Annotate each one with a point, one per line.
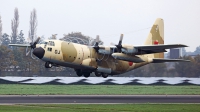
(39, 52)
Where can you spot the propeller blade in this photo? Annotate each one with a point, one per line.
(32, 54)
(96, 45)
(120, 40)
(28, 53)
(97, 41)
(37, 40)
(119, 46)
(33, 45)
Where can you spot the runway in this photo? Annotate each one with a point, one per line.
(95, 99)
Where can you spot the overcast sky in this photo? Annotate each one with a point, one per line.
(109, 18)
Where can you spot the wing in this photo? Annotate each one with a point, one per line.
(157, 60)
(154, 47)
(149, 49)
(20, 45)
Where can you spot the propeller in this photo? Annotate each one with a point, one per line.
(119, 45)
(96, 45)
(32, 46)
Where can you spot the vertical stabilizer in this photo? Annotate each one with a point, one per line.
(156, 36)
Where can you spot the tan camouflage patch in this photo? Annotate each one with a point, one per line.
(69, 52)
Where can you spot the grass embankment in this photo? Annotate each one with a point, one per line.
(101, 108)
(18, 89)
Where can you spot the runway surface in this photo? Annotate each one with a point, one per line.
(16, 99)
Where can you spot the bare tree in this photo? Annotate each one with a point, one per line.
(33, 25)
(14, 26)
(0, 31)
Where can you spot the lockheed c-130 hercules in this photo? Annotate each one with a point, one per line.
(104, 60)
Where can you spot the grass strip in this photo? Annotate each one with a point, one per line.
(19, 89)
(101, 108)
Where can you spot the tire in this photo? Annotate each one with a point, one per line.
(104, 75)
(97, 74)
(86, 74)
(79, 73)
(48, 65)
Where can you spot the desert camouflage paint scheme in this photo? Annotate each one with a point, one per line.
(106, 60)
(84, 57)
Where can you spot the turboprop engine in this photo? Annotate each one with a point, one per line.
(131, 58)
(104, 50)
(128, 50)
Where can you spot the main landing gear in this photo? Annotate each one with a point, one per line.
(87, 73)
(98, 74)
(84, 73)
(104, 75)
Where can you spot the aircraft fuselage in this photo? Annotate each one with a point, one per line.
(85, 58)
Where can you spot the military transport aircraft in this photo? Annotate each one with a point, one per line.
(104, 60)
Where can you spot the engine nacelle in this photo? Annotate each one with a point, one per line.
(132, 58)
(104, 50)
(104, 70)
(130, 50)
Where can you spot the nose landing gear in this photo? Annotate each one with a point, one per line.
(48, 65)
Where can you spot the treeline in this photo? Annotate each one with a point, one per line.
(171, 69)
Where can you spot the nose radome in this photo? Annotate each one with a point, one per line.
(39, 52)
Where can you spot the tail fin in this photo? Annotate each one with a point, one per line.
(156, 36)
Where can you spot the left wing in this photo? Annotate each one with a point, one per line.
(138, 50)
(154, 47)
(158, 60)
(149, 49)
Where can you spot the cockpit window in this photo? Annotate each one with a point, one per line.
(51, 43)
(43, 42)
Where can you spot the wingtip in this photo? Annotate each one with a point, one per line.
(183, 45)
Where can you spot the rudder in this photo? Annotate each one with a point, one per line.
(156, 36)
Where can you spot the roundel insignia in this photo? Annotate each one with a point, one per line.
(156, 42)
(130, 63)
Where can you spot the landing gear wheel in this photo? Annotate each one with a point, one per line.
(104, 75)
(79, 73)
(97, 74)
(86, 74)
(48, 65)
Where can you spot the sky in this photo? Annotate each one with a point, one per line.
(108, 19)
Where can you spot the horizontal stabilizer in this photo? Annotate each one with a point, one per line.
(20, 45)
(158, 60)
